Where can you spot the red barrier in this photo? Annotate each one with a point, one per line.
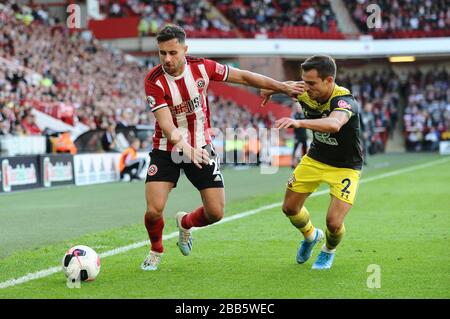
(58, 110)
(113, 28)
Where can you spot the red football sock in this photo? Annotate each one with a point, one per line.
(155, 231)
(197, 218)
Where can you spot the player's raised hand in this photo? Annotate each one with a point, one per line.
(294, 88)
(286, 122)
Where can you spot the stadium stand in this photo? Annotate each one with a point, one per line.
(246, 18)
(198, 18)
(224, 115)
(99, 89)
(404, 19)
(427, 112)
(302, 19)
(282, 19)
(65, 75)
(379, 95)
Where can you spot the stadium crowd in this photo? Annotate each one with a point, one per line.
(44, 66)
(271, 16)
(250, 17)
(400, 18)
(191, 15)
(227, 114)
(427, 112)
(100, 84)
(379, 95)
(404, 17)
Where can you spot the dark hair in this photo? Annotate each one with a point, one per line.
(170, 32)
(324, 65)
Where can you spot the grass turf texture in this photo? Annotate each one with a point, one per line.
(399, 223)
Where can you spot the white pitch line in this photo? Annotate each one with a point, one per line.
(119, 250)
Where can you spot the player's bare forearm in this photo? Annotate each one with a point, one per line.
(172, 133)
(266, 94)
(261, 81)
(331, 124)
(325, 125)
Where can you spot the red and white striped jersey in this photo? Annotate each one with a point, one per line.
(187, 99)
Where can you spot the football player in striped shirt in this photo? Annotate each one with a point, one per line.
(176, 92)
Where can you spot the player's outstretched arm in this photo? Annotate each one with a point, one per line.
(267, 94)
(164, 118)
(263, 82)
(330, 124)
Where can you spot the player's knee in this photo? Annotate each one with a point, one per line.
(153, 213)
(289, 211)
(333, 225)
(215, 214)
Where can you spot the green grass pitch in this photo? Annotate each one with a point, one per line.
(400, 222)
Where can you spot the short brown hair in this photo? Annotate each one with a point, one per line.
(169, 32)
(324, 64)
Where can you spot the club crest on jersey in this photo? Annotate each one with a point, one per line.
(344, 105)
(152, 170)
(151, 101)
(200, 83)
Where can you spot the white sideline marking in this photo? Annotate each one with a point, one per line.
(52, 270)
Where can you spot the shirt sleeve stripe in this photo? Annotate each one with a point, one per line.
(350, 113)
(225, 78)
(159, 107)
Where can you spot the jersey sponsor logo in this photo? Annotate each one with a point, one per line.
(151, 101)
(200, 83)
(152, 170)
(343, 104)
(325, 138)
(186, 106)
(220, 69)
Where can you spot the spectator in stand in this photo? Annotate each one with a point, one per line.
(431, 140)
(125, 119)
(130, 165)
(29, 124)
(64, 144)
(368, 131)
(109, 138)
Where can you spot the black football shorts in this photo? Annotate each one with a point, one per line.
(165, 167)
